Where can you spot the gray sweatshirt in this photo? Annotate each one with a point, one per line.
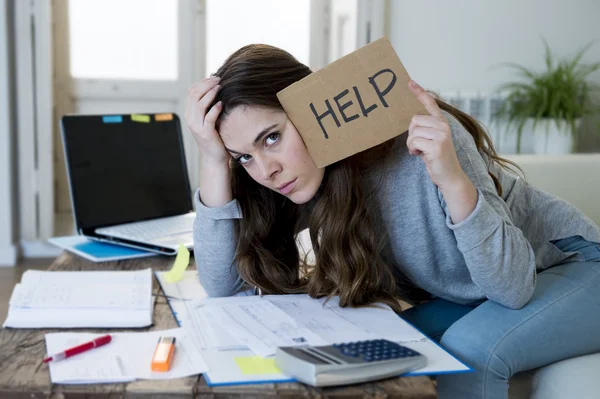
(493, 254)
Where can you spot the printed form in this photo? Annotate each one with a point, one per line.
(264, 323)
(262, 326)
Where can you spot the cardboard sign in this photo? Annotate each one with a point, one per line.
(352, 104)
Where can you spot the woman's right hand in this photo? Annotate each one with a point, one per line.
(201, 121)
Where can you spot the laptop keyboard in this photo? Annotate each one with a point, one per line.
(151, 229)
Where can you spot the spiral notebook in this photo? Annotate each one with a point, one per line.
(82, 299)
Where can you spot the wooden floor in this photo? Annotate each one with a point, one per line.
(9, 276)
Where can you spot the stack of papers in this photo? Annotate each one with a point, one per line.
(237, 336)
(46, 299)
(126, 358)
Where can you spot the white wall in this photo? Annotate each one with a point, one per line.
(449, 45)
(342, 28)
(8, 251)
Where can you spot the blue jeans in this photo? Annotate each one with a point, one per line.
(562, 320)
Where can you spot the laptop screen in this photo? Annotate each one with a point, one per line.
(125, 168)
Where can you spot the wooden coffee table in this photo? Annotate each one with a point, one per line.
(23, 375)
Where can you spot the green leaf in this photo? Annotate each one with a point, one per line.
(579, 55)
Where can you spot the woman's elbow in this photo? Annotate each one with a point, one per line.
(518, 297)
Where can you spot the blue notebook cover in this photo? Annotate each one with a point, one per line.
(98, 251)
(102, 250)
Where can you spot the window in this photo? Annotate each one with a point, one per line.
(284, 24)
(140, 34)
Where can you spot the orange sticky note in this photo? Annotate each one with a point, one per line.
(163, 117)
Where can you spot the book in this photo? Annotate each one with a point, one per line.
(97, 251)
(81, 299)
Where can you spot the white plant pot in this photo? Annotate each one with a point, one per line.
(550, 138)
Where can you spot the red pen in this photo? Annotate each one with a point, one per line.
(100, 341)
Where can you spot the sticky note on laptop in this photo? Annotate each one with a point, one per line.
(140, 118)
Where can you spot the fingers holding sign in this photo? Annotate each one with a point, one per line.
(429, 136)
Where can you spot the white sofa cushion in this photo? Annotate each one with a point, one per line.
(576, 179)
(572, 378)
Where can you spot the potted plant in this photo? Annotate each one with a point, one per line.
(551, 103)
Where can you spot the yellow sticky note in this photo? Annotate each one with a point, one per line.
(163, 117)
(140, 118)
(181, 263)
(255, 365)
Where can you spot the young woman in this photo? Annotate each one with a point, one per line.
(505, 274)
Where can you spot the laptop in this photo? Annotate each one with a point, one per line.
(128, 180)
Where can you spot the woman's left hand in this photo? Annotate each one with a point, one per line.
(429, 137)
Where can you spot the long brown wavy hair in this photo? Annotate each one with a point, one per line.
(347, 246)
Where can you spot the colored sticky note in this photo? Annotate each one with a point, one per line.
(163, 117)
(256, 365)
(182, 260)
(140, 118)
(112, 119)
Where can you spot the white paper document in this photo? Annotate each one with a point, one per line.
(225, 329)
(262, 326)
(337, 325)
(126, 358)
(438, 360)
(188, 288)
(264, 323)
(103, 299)
(217, 336)
(65, 295)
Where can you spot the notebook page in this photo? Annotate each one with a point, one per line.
(82, 299)
(77, 318)
(77, 295)
(97, 277)
(122, 290)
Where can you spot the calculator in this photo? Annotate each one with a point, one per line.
(347, 363)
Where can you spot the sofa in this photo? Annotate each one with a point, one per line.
(576, 179)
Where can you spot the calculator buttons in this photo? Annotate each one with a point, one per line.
(374, 350)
